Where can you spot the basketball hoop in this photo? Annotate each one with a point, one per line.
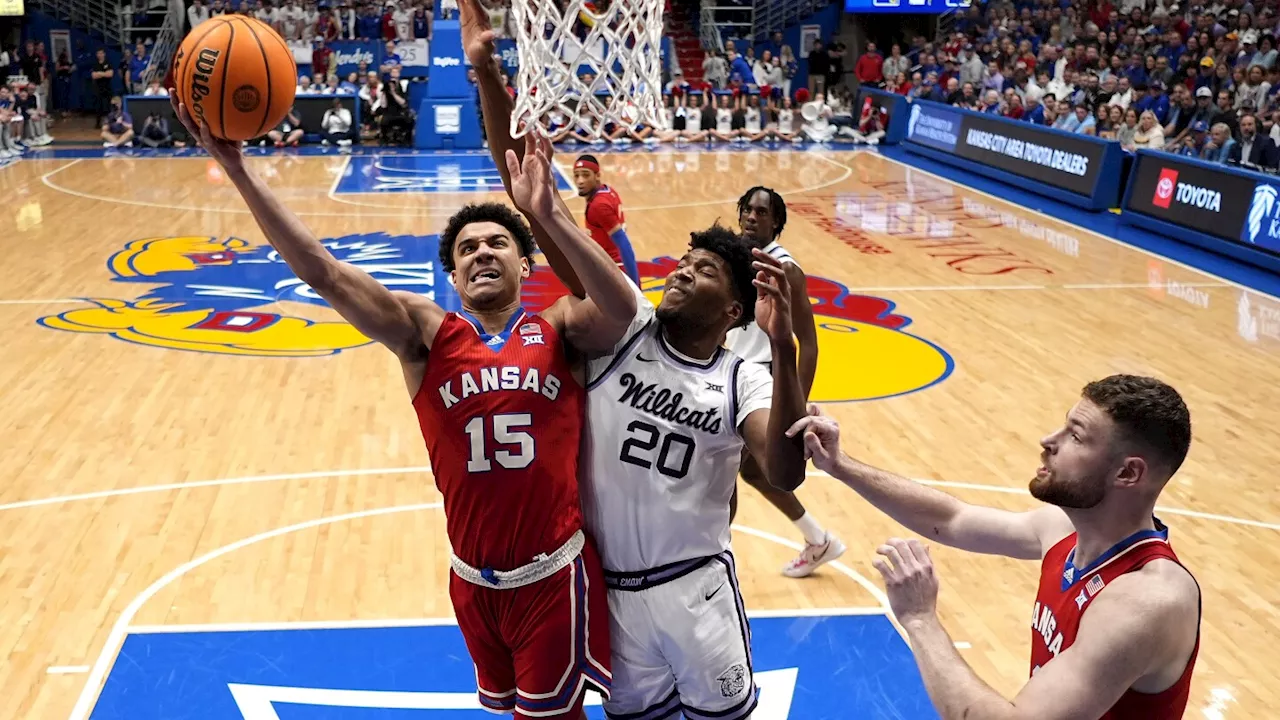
(619, 42)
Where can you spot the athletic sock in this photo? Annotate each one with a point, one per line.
(812, 531)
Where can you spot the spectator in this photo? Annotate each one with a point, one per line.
(390, 59)
(330, 86)
(117, 128)
(1220, 144)
(155, 89)
(819, 66)
(896, 63)
(388, 24)
(321, 58)
(819, 129)
(993, 79)
(348, 20)
(35, 120)
(422, 23)
(972, 69)
(327, 24)
(397, 118)
(1254, 149)
(1182, 113)
(1149, 133)
(1255, 89)
(1128, 129)
(1034, 113)
(403, 18)
(1226, 112)
(64, 71)
(763, 70)
(1193, 143)
(138, 63)
(155, 132)
(835, 66)
(789, 69)
(336, 125)
(197, 14)
(10, 126)
(288, 132)
(266, 14)
(740, 70)
(1266, 54)
(870, 67)
(289, 20)
(1155, 101)
(715, 70)
(991, 103)
(304, 86)
(368, 23)
(1124, 93)
(102, 73)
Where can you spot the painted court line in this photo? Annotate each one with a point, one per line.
(426, 470)
(51, 301)
(432, 622)
(67, 669)
(122, 626)
(1082, 228)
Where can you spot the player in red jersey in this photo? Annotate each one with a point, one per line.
(499, 395)
(1117, 617)
(605, 219)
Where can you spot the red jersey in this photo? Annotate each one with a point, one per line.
(501, 416)
(604, 213)
(1064, 596)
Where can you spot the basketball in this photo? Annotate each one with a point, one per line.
(236, 75)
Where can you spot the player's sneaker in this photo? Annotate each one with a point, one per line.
(814, 557)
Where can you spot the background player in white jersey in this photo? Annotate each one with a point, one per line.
(669, 411)
(762, 214)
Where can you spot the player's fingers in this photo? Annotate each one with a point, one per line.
(764, 257)
(813, 444)
(513, 164)
(909, 562)
(920, 553)
(768, 289)
(892, 555)
(815, 410)
(884, 569)
(774, 271)
(799, 425)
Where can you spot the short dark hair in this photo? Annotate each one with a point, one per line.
(588, 158)
(736, 253)
(776, 204)
(494, 212)
(1147, 412)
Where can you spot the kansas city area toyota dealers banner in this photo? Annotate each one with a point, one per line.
(1224, 203)
(1058, 163)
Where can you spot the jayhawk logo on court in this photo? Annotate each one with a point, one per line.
(233, 297)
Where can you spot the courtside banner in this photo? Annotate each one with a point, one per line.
(1229, 210)
(1191, 194)
(1077, 169)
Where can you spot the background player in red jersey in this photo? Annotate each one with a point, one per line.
(1117, 617)
(605, 219)
(501, 419)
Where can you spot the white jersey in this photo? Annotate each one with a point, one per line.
(753, 120)
(724, 120)
(662, 447)
(750, 343)
(785, 121)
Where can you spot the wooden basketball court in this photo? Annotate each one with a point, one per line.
(189, 442)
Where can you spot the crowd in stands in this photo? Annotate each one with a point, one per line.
(1199, 79)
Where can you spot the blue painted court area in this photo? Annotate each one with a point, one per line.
(812, 668)
(424, 174)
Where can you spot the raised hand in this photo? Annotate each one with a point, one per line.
(773, 301)
(533, 186)
(477, 34)
(225, 152)
(821, 438)
(909, 579)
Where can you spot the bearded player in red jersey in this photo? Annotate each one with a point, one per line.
(604, 217)
(1116, 624)
(499, 396)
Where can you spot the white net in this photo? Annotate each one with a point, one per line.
(587, 62)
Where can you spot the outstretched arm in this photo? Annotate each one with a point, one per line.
(1136, 630)
(496, 108)
(600, 320)
(928, 512)
(803, 326)
(359, 299)
(765, 433)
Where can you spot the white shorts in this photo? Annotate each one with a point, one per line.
(681, 643)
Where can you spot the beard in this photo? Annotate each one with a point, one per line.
(1079, 495)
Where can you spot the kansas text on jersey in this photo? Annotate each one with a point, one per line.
(502, 418)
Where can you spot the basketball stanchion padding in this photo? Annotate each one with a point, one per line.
(619, 42)
(236, 76)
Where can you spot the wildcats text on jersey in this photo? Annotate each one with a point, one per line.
(494, 379)
(666, 404)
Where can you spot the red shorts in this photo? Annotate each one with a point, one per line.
(537, 647)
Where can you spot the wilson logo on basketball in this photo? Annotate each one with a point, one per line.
(246, 98)
(205, 62)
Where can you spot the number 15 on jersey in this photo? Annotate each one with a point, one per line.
(502, 439)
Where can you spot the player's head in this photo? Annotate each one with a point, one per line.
(1126, 436)
(586, 174)
(762, 214)
(488, 250)
(710, 290)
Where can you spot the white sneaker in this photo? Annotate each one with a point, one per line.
(106, 144)
(344, 143)
(324, 142)
(814, 557)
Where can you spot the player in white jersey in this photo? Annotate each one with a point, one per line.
(762, 214)
(669, 412)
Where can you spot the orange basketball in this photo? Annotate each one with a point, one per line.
(235, 75)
